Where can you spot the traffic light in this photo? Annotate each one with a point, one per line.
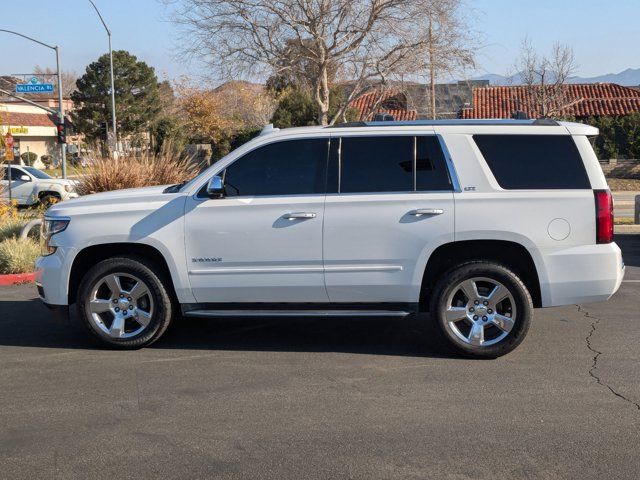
(104, 130)
(62, 133)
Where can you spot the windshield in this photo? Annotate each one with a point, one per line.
(37, 173)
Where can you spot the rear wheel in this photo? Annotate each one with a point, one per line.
(125, 303)
(482, 309)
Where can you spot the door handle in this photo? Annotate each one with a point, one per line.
(299, 215)
(419, 212)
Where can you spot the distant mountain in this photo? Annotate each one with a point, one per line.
(629, 77)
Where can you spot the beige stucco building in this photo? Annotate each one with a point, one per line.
(32, 128)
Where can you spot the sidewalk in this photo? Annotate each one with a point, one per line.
(624, 203)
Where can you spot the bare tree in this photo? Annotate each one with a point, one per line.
(367, 41)
(449, 44)
(545, 78)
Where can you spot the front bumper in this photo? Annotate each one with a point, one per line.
(52, 276)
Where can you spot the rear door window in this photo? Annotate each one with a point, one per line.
(376, 164)
(536, 162)
(391, 164)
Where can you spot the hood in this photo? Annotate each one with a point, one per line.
(146, 198)
(58, 181)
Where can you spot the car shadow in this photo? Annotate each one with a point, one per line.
(29, 324)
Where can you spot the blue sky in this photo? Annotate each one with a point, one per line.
(604, 35)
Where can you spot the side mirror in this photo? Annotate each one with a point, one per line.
(215, 187)
(24, 178)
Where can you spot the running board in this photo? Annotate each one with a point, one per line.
(294, 313)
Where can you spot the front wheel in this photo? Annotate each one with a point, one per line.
(125, 302)
(481, 309)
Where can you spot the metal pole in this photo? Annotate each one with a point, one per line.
(63, 146)
(113, 91)
(113, 96)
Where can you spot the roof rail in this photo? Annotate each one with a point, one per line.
(456, 121)
(268, 129)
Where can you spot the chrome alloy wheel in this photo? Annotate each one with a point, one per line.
(120, 305)
(480, 311)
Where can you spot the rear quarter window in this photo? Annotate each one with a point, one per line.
(539, 162)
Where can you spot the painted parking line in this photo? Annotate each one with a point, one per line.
(631, 281)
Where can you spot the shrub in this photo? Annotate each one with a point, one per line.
(47, 160)
(18, 256)
(10, 227)
(29, 158)
(166, 167)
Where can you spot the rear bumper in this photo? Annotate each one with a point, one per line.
(585, 274)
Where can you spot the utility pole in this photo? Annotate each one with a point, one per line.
(113, 90)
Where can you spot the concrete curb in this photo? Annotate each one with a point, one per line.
(16, 278)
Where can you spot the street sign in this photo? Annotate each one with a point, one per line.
(8, 142)
(34, 87)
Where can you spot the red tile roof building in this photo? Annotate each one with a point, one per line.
(390, 101)
(580, 101)
(18, 119)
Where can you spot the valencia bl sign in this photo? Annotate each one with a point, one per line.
(34, 87)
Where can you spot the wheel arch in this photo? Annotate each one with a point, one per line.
(511, 254)
(91, 255)
(53, 193)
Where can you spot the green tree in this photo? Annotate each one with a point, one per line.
(136, 91)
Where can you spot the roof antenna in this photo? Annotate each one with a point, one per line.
(384, 117)
(520, 115)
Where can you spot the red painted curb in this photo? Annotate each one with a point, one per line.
(14, 278)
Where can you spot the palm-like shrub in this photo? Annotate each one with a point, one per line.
(165, 167)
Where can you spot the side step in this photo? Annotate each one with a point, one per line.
(294, 313)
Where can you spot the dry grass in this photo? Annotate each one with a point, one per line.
(167, 167)
(18, 256)
(10, 227)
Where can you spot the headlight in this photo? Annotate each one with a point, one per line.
(51, 226)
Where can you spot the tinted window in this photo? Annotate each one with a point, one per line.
(431, 168)
(15, 173)
(533, 161)
(376, 164)
(37, 173)
(294, 167)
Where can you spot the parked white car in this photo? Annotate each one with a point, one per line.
(476, 222)
(30, 186)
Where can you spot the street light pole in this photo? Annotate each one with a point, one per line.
(63, 146)
(113, 90)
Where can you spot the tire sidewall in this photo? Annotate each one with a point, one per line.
(145, 272)
(521, 297)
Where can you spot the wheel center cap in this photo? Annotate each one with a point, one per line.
(481, 310)
(123, 303)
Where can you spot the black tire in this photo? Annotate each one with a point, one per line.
(159, 291)
(48, 199)
(447, 286)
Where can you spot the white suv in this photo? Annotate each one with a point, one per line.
(475, 222)
(30, 186)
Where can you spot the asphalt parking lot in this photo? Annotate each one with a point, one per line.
(311, 398)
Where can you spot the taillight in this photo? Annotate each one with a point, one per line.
(604, 216)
